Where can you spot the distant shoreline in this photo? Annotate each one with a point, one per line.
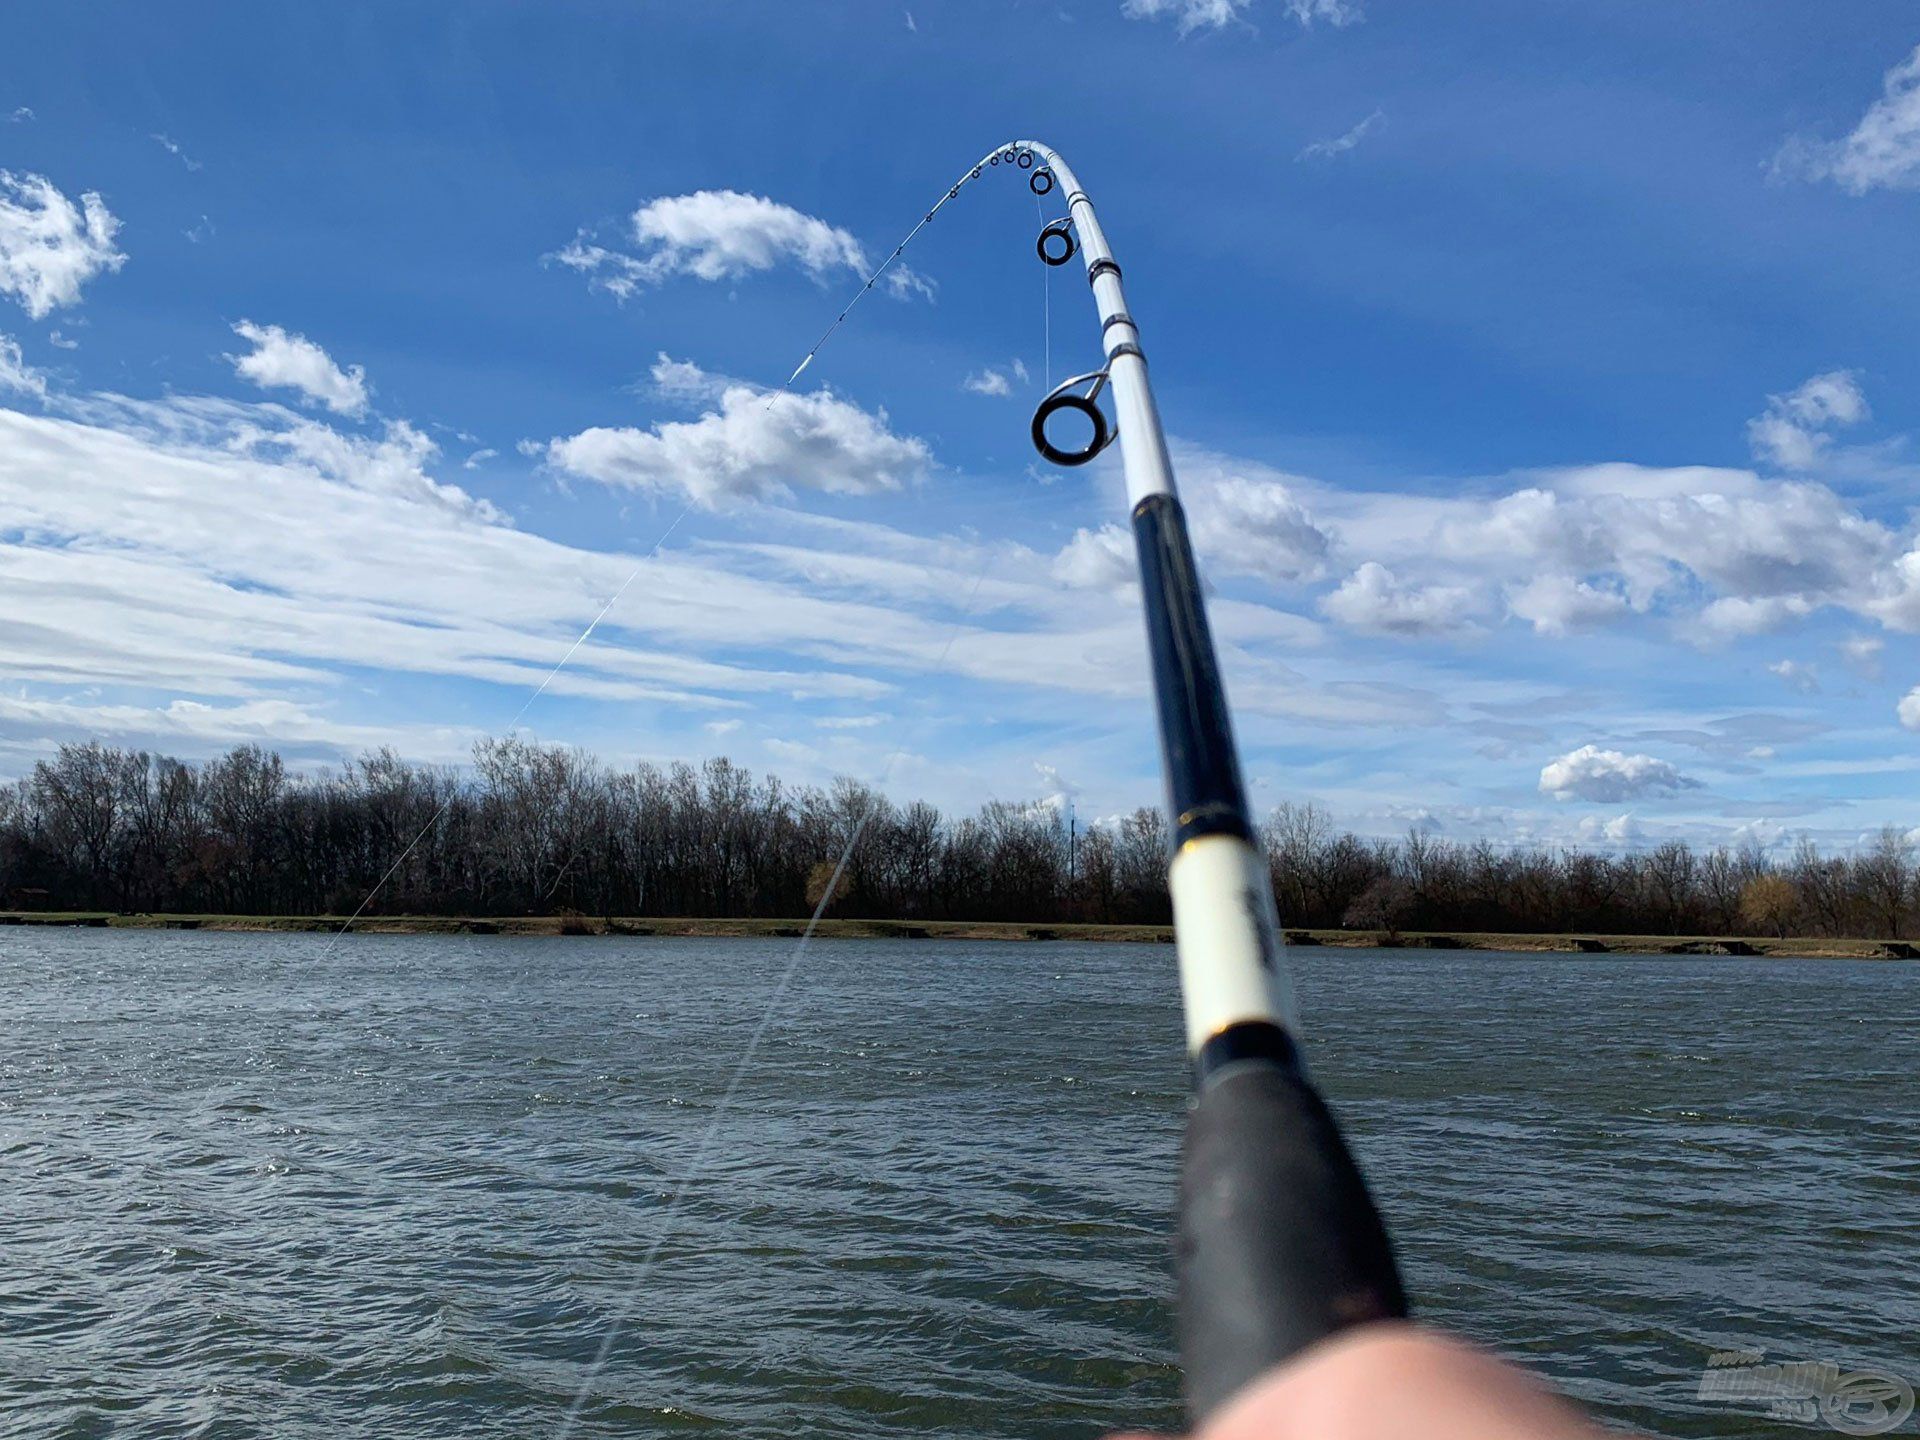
(1799, 947)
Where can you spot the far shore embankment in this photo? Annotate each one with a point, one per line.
(1576, 943)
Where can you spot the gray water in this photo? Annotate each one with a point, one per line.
(407, 1189)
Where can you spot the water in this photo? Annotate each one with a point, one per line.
(404, 1189)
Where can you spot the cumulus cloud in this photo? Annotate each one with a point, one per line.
(987, 382)
(725, 235)
(747, 448)
(1608, 777)
(50, 247)
(1097, 559)
(1622, 831)
(293, 362)
(1793, 431)
(16, 374)
(1340, 144)
(1372, 599)
(1883, 150)
(1763, 552)
(1909, 709)
(1557, 604)
(1214, 14)
(1244, 519)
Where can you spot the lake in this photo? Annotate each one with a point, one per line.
(407, 1188)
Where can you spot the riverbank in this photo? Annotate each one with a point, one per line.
(1804, 947)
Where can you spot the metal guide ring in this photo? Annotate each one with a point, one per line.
(1034, 181)
(1061, 230)
(1065, 396)
(1102, 433)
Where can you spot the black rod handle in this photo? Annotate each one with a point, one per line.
(1279, 1242)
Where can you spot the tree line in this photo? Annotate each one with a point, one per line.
(543, 829)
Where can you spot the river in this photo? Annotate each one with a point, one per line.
(409, 1187)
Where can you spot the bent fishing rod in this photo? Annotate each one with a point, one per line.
(1279, 1243)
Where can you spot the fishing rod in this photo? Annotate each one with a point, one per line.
(1279, 1243)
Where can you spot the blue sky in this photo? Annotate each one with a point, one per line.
(1539, 378)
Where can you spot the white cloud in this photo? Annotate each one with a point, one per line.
(16, 374)
(293, 362)
(61, 342)
(1101, 559)
(1340, 144)
(1882, 151)
(1557, 604)
(726, 235)
(620, 275)
(1862, 653)
(50, 247)
(479, 458)
(686, 383)
(1909, 709)
(1797, 676)
(1214, 14)
(750, 448)
(987, 382)
(851, 722)
(172, 147)
(1608, 776)
(1767, 551)
(1621, 831)
(1372, 599)
(1792, 433)
(20, 115)
(1244, 519)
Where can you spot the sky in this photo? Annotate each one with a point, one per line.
(1540, 380)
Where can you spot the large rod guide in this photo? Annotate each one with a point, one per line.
(1279, 1241)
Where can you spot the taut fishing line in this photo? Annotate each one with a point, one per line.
(520, 715)
(696, 1167)
(972, 173)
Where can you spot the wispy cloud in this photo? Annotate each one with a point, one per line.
(1882, 151)
(172, 147)
(50, 247)
(16, 374)
(1192, 15)
(1340, 144)
(1793, 431)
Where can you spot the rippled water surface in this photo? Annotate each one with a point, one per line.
(409, 1188)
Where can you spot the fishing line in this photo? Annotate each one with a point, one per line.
(1046, 302)
(512, 724)
(697, 1166)
(972, 173)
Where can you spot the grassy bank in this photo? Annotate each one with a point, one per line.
(1810, 947)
